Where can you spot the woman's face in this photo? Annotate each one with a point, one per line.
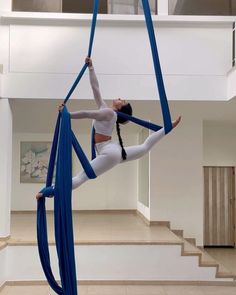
(118, 103)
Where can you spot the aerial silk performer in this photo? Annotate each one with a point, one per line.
(109, 153)
(105, 155)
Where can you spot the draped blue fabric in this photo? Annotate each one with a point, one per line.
(157, 66)
(62, 208)
(42, 235)
(83, 158)
(61, 155)
(91, 39)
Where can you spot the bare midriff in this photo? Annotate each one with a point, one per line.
(98, 138)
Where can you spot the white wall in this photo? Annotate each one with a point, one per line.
(162, 7)
(0, 82)
(114, 262)
(176, 179)
(47, 66)
(4, 48)
(5, 5)
(219, 141)
(2, 266)
(116, 189)
(6, 166)
(231, 85)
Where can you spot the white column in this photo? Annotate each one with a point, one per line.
(162, 7)
(5, 166)
(5, 5)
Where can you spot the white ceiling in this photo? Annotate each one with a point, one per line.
(39, 116)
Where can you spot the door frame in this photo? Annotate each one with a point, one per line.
(233, 200)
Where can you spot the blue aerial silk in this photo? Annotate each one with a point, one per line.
(61, 155)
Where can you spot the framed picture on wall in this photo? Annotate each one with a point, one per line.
(34, 157)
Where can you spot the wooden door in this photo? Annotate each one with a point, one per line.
(219, 196)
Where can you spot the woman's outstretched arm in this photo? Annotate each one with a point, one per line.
(104, 114)
(95, 85)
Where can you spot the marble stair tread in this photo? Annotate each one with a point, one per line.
(158, 235)
(2, 245)
(206, 259)
(222, 270)
(96, 227)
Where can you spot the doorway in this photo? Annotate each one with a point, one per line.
(219, 204)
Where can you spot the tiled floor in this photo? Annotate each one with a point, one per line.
(115, 227)
(95, 227)
(125, 290)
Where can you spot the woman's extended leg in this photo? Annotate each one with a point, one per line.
(109, 155)
(137, 151)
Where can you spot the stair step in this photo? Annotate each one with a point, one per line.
(206, 260)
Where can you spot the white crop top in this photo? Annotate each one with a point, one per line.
(105, 127)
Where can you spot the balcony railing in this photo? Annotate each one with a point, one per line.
(72, 6)
(171, 7)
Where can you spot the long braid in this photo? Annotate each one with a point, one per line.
(123, 152)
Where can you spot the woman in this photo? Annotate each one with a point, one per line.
(109, 153)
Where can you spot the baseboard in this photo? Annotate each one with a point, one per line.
(120, 211)
(4, 245)
(160, 223)
(150, 223)
(144, 218)
(124, 282)
(2, 286)
(5, 239)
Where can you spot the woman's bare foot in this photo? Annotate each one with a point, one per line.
(176, 122)
(39, 195)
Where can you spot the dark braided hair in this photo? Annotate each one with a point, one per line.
(126, 109)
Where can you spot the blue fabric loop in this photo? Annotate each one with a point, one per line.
(62, 204)
(91, 39)
(157, 67)
(83, 158)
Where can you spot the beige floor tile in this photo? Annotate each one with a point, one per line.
(183, 290)
(145, 290)
(106, 290)
(83, 290)
(219, 290)
(226, 257)
(25, 290)
(94, 227)
(36, 290)
(2, 244)
(124, 290)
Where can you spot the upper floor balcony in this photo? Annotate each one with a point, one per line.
(197, 52)
(171, 7)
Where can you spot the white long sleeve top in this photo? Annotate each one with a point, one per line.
(104, 118)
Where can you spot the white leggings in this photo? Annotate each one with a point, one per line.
(109, 155)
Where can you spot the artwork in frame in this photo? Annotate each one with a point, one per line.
(34, 157)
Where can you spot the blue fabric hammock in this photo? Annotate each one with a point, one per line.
(61, 154)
